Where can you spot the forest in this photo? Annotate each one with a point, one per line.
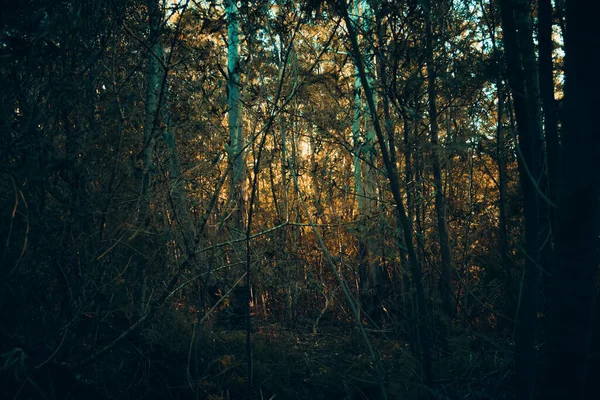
(315, 199)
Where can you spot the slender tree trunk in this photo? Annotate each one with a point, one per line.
(502, 181)
(523, 80)
(410, 208)
(503, 230)
(507, 264)
(152, 99)
(546, 84)
(358, 185)
(578, 213)
(152, 108)
(365, 174)
(408, 170)
(237, 159)
(392, 174)
(440, 201)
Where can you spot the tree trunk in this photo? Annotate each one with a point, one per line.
(546, 84)
(440, 201)
(152, 108)
(507, 263)
(152, 99)
(237, 159)
(523, 80)
(365, 174)
(392, 174)
(502, 178)
(578, 213)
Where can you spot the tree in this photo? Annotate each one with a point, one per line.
(523, 80)
(546, 84)
(236, 147)
(365, 169)
(440, 203)
(577, 239)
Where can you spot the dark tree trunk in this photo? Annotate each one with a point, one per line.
(523, 81)
(547, 94)
(440, 201)
(502, 178)
(508, 307)
(578, 213)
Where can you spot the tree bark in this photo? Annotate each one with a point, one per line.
(152, 100)
(365, 174)
(578, 213)
(237, 159)
(502, 181)
(546, 84)
(523, 81)
(440, 201)
(153, 88)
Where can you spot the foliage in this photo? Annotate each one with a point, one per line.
(123, 271)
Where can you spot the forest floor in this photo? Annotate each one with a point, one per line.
(168, 359)
(334, 363)
(298, 364)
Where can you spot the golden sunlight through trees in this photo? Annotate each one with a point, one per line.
(323, 199)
